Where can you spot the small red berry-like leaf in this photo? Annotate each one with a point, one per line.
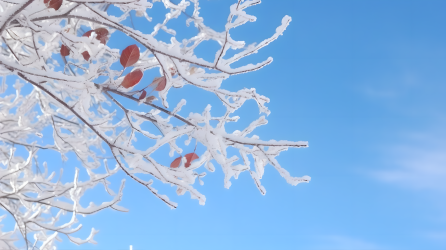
(143, 95)
(129, 56)
(190, 157)
(55, 4)
(86, 55)
(64, 51)
(176, 162)
(132, 78)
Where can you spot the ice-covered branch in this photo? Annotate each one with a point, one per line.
(79, 84)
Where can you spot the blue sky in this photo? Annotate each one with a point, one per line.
(364, 83)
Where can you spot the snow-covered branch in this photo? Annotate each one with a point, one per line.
(60, 48)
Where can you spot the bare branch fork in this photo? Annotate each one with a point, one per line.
(79, 110)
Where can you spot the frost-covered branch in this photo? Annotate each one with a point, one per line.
(60, 48)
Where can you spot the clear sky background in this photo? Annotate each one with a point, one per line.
(364, 83)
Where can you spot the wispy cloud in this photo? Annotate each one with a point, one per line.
(419, 163)
(337, 242)
(440, 236)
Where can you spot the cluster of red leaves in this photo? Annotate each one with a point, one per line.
(189, 158)
(101, 35)
(129, 57)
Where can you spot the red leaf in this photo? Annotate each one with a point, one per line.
(129, 56)
(190, 158)
(143, 95)
(55, 4)
(103, 40)
(159, 83)
(88, 33)
(155, 82)
(132, 78)
(101, 34)
(64, 51)
(176, 162)
(45, 1)
(86, 55)
(150, 98)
